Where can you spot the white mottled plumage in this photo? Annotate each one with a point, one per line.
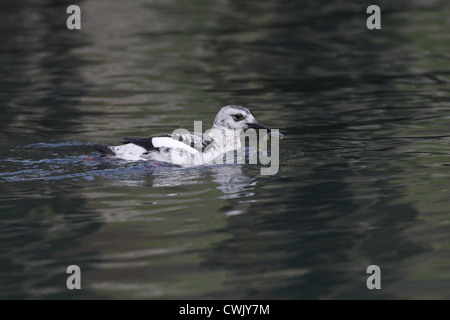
(187, 148)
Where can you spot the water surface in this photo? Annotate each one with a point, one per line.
(364, 166)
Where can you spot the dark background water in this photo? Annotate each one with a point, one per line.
(364, 168)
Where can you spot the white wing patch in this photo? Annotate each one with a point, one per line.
(171, 143)
(129, 151)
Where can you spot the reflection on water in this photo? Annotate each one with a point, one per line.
(233, 182)
(364, 165)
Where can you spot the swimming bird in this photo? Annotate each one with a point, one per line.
(187, 148)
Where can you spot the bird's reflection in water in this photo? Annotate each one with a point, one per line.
(233, 182)
(230, 179)
(177, 177)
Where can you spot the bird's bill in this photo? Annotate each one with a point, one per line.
(259, 125)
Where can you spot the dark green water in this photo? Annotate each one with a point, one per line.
(364, 169)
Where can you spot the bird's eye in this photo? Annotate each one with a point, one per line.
(238, 117)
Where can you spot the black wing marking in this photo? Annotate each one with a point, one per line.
(190, 139)
(103, 148)
(145, 143)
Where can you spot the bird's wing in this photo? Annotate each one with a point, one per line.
(190, 142)
(145, 143)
